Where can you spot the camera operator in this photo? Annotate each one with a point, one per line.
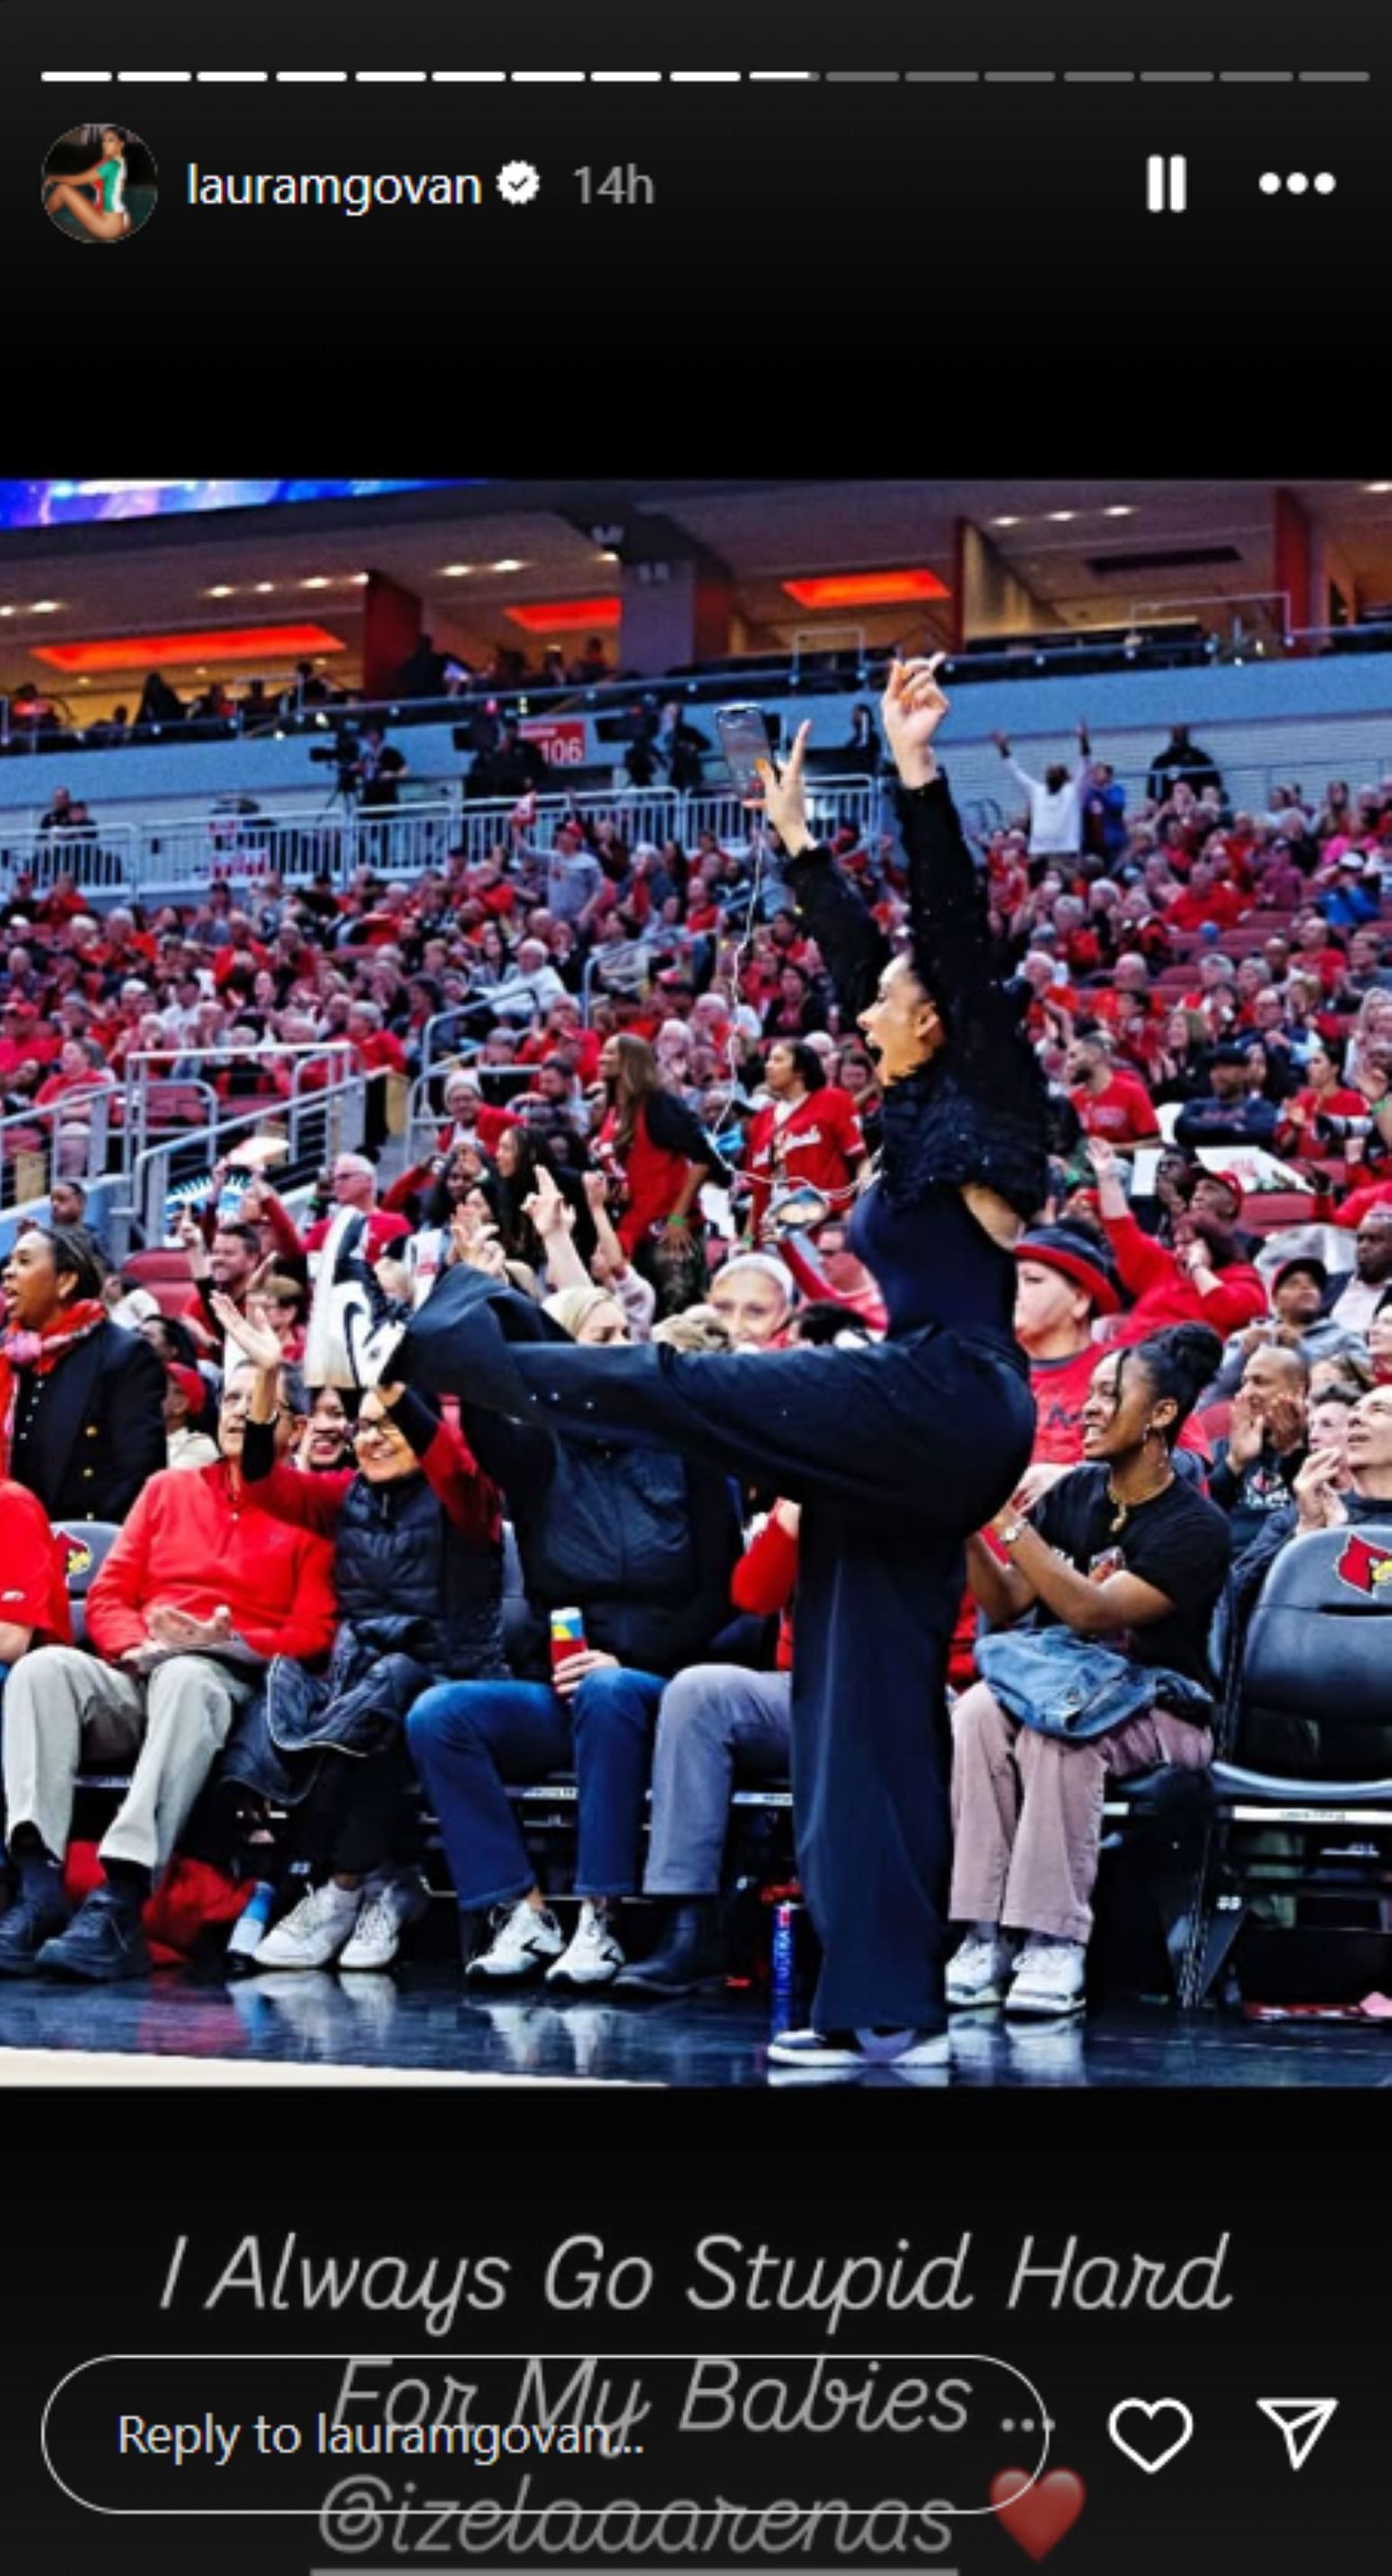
(378, 770)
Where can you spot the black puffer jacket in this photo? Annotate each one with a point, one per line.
(421, 1602)
(642, 1541)
(399, 1555)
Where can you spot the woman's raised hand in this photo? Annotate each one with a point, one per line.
(253, 1332)
(911, 710)
(785, 795)
(549, 1211)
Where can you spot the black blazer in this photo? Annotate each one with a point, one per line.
(98, 1431)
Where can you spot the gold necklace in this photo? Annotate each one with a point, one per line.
(1124, 1509)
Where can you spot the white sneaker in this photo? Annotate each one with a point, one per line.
(1051, 1978)
(389, 1905)
(980, 1971)
(595, 1955)
(524, 1938)
(316, 1931)
(847, 2049)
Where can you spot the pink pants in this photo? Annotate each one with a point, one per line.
(1027, 1811)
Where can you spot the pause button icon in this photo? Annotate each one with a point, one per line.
(1167, 184)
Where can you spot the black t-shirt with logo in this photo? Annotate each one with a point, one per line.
(1178, 1541)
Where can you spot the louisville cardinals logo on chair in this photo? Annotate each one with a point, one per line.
(1366, 1568)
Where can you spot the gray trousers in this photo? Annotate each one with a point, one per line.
(65, 1709)
(714, 1718)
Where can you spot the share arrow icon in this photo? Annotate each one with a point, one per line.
(1299, 2421)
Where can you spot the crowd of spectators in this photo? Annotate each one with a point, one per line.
(642, 1111)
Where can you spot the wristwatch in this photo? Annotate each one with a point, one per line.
(1012, 1531)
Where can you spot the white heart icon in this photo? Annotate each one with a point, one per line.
(1150, 2460)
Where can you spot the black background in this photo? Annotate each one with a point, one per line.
(100, 2189)
(806, 240)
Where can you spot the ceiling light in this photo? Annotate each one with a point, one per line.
(1377, 487)
(221, 590)
(456, 572)
(1005, 523)
(509, 563)
(866, 589)
(6, 612)
(1119, 510)
(316, 581)
(263, 586)
(45, 607)
(255, 644)
(1062, 516)
(360, 579)
(566, 616)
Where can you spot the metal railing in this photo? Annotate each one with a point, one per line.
(319, 1125)
(65, 1140)
(102, 858)
(184, 854)
(498, 1084)
(157, 1077)
(335, 841)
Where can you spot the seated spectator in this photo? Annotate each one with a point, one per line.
(1110, 1104)
(1362, 1294)
(186, 1402)
(1121, 1554)
(643, 1542)
(417, 1572)
(1065, 1280)
(325, 1443)
(201, 1589)
(1228, 1113)
(1205, 1278)
(714, 1719)
(227, 1265)
(1336, 1487)
(1327, 1424)
(753, 1293)
(34, 1595)
(1353, 896)
(81, 1400)
(1255, 1467)
(1207, 898)
(1298, 1291)
(1323, 1094)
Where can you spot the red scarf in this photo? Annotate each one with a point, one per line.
(41, 1352)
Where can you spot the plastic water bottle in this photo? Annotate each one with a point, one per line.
(783, 1949)
(250, 1927)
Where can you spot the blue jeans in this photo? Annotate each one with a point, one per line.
(468, 1738)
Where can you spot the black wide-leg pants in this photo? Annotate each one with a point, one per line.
(896, 1451)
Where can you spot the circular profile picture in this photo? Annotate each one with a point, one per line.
(100, 183)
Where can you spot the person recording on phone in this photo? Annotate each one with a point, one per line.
(897, 1450)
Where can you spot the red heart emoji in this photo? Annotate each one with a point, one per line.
(1038, 2516)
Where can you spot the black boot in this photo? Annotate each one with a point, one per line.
(691, 1955)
